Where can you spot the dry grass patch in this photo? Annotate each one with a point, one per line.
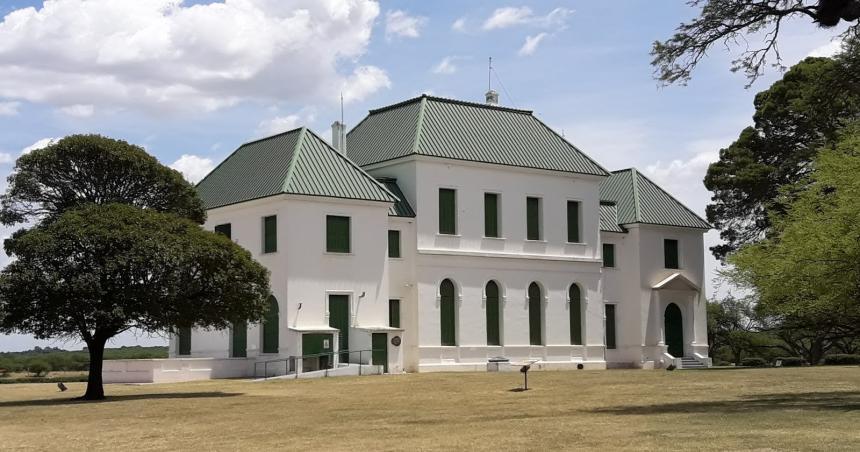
(805, 408)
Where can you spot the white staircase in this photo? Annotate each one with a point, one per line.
(689, 362)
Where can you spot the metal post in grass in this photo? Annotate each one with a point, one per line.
(525, 371)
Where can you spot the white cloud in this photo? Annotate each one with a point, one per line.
(278, 124)
(44, 142)
(459, 25)
(446, 66)
(512, 16)
(401, 24)
(6, 158)
(9, 108)
(160, 55)
(364, 81)
(531, 44)
(78, 111)
(194, 168)
(827, 50)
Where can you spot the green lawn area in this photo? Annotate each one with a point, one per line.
(766, 409)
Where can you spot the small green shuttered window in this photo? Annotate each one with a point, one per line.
(533, 218)
(535, 315)
(270, 234)
(393, 243)
(609, 255)
(670, 253)
(337, 234)
(610, 326)
(183, 337)
(225, 229)
(447, 312)
(493, 336)
(447, 211)
(573, 222)
(575, 315)
(239, 340)
(491, 215)
(270, 327)
(394, 313)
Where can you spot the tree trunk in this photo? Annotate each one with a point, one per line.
(95, 388)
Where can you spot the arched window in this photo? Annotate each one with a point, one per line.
(270, 327)
(447, 311)
(575, 315)
(493, 314)
(535, 314)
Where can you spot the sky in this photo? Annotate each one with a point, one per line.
(190, 81)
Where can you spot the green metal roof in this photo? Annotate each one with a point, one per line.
(401, 208)
(453, 129)
(295, 162)
(609, 218)
(639, 200)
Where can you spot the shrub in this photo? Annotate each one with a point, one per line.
(753, 362)
(39, 368)
(790, 361)
(841, 359)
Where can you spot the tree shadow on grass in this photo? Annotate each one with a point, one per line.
(808, 401)
(118, 398)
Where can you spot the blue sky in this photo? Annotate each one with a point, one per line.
(192, 80)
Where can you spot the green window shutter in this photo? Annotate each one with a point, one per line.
(493, 336)
(240, 340)
(573, 222)
(575, 315)
(394, 313)
(535, 314)
(393, 243)
(608, 255)
(670, 253)
(610, 326)
(270, 234)
(337, 234)
(491, 215)
(183, 336)
(447, 311)
(271, 327)
(225, 229)
(447, 211)
(533, 218)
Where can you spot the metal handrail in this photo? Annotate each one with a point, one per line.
(289, 362)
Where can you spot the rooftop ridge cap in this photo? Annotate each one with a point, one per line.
(479, 105)
(293, 160)
(419, 124)
(634, 182)
(269, 137)
(672, 198)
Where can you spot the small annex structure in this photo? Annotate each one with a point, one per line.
(445, 235)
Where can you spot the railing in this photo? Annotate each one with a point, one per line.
(291, 361)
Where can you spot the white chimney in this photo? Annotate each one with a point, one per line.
(338, 136)
(492, 97)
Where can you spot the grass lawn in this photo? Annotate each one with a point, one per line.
(766, 409)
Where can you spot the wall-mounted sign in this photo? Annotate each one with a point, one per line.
(395, 341)
(326, 344)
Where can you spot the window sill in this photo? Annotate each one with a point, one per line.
(493, 238)
(439, 234)
(575, 243)
(536, 241)
(398, 258)
(336, 253)
(609, 268)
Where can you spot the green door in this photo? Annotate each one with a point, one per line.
(492, 291)
(338, 317)
(379, 344)
(674, 327)
(447, 311)
(240, 340)
(535, 306)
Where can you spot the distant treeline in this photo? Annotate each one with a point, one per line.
(56, 359)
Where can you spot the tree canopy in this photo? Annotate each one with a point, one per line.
(736, 23)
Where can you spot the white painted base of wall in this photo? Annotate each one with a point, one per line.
(514, 366)
(174, 370)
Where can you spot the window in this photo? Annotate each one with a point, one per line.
(493, 317)
(447, 211)
(491, 215)
(533, 218)
(271, 327)
(447, 312)
(337, 234)
(670, 253)
(535, 315)
(609, 255)
(610, 326)
(239, 340)
(393, 243)
(573, 222)
(394, 313)
(183, 337)
(270, 234)
(575, 315)
(224, 229)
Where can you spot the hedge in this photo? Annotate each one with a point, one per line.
(790, 361)
(841, 359)
(753, 362)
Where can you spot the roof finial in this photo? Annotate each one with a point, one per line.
(491, 96)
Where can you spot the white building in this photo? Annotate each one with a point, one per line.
(442, 233)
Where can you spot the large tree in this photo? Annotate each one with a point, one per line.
(116, 245)
(793, 119)
(737, 23)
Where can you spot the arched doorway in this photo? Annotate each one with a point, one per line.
(493, 318)
(575, 315)
(535, 315)
(673, 325)
(270, 327)
(448, 313)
